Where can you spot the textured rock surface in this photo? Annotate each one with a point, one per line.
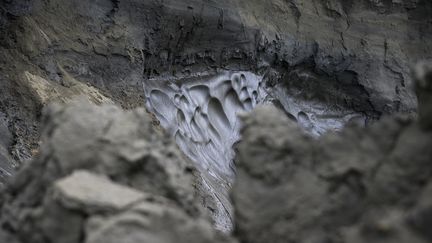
(362, 185)
(108, 171)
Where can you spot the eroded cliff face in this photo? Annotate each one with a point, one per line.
(323, 62)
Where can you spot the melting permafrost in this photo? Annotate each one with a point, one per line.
(202, 115)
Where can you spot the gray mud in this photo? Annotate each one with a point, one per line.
(202, 116)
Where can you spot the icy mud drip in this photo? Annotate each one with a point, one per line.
(202, 115)
(316, 118)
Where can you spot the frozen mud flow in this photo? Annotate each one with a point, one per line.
(202, 115)
(317, 118)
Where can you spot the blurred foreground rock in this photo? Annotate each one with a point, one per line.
(104, 175)
(362, 185)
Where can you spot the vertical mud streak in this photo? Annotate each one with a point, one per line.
(202, 115)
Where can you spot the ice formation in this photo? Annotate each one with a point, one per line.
(202, 115)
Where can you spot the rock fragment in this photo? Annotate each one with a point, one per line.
(94, 193)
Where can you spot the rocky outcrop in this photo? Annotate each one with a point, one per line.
(102, 175)
(360, 185)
